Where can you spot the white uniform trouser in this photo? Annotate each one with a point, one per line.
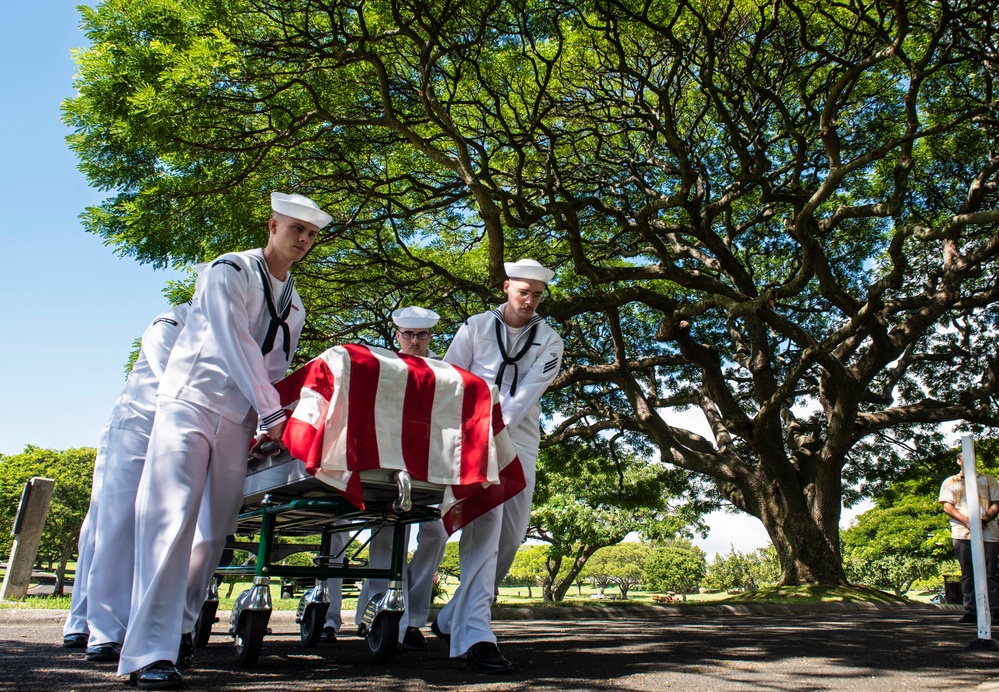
(334, 618)
(210, 538)
(485, 553)
(417, 577)
(111, 570)
(193, 453)
(79, 603)
(431, 540)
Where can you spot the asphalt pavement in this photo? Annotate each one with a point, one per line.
(919, 647)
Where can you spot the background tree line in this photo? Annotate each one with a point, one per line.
(582, 519)
(676, 567)
(72, 470)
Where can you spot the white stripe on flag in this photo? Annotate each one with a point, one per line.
(335, 425)
(389, 399)
(445, 443)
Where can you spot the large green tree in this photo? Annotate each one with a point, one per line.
(889, 547)
(450, 564)
(529, 568)
(72, 471)
(779, 214)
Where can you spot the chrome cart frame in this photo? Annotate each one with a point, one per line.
(282, 499)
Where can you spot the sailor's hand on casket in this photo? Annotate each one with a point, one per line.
(268, 443)
(264, 447)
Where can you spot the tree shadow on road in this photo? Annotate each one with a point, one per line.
(873, 651)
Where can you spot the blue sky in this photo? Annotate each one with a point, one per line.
(70, 307)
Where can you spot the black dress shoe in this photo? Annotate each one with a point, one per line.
(328, 636)
(439, 633)
(76, 640)
(969, 617)
(107, 652)
(185, 654)
(485, 657)
(414, 638)
(161, 675)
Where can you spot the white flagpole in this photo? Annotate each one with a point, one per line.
(977, 546)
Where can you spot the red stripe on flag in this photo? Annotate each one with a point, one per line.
(417, 407)
(471, 502)
(304, 442)
(354, 494)
(362, 440)
(498, 423)
(315, 375)
(476, 426)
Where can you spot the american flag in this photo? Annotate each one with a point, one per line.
(355, 408)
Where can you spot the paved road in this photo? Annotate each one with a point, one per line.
(917, 648)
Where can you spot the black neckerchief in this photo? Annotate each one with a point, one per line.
(278, 319)
(507, 359)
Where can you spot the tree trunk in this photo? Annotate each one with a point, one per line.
(798, 501)
(577, 566)
(60, 576)
(547, 593)
(808, 552)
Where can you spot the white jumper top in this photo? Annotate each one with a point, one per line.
(522, 370)
(135, 406)
(240, 338)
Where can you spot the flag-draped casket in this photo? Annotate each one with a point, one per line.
(355, 408)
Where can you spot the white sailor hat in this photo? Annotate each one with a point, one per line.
(414, 317)
(528, 269)
(299, 207)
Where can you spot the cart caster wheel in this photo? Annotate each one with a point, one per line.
(250, 637)
(383, 637)
(203, 625)
(311, 627)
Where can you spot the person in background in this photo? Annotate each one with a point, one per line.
(954, 498)
(514, 348)
(109, 577)
(414, 329)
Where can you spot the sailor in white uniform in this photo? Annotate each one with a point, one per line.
(75, 633)
(240, 337)
(109, 576)
(514, 348)
(414, 329)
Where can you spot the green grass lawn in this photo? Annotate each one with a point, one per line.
(521, 596)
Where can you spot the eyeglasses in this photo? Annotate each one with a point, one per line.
(409, 336)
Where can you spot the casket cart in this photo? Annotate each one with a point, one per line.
(282, 499)
(391, 437)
